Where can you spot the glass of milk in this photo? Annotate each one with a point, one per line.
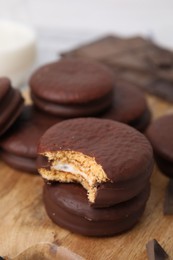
(17, 51)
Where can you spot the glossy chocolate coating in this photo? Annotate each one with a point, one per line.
(19, 145)
(20, 163)
(129, 103)
(142, 122)
(11, 104)
(74, 110)
(124, 153)
(129, 106)
(75, 87)
(67, 205)
(160, 135)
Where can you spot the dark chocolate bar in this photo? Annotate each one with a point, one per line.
(137, 60)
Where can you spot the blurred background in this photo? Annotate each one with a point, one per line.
(63, 24)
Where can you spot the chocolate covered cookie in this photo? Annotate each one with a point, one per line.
(111, 160)
(19, 144)
(160, 136)
(67, 205)
(72, 88)
(11, 103)
(129, 106)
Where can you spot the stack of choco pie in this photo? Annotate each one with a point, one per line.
(96, 174)
(96, 170)
(21, 127)
(62, 90)
(74, 87)
(9, 113)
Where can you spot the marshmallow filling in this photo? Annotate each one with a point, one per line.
(72, 166)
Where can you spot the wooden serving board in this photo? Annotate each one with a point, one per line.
(23, 220)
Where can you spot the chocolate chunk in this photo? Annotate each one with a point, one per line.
(168, 203)
(155, 251)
